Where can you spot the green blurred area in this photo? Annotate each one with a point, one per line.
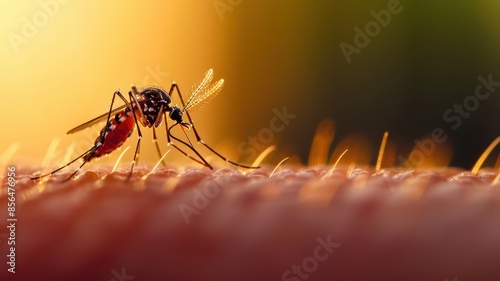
(428, 58)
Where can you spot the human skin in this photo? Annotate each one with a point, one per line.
(198, 224)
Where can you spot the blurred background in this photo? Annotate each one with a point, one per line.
(369, 66)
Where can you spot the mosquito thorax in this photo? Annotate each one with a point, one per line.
(156, 95)
(153, 103)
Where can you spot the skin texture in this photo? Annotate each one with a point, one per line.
(387, 225)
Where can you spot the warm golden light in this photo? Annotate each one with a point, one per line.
(322, 141)
(381, 151)
(62, 61)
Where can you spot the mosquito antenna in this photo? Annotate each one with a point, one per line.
(201, 87)
(198, 99)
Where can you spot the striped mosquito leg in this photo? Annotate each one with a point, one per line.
(175, 87)
(198, 138)
(169, 135)
(89, 153)
(155, 140)
(224, 158)
(133, 100)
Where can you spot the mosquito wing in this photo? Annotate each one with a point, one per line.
(204, 92)
(96, 120)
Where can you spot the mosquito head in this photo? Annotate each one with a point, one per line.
(176, 114)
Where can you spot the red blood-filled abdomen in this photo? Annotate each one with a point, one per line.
(117, 134)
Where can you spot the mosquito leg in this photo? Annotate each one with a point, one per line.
(89, 153)
(198, 138)
(155, 140)
(169, 135)
(133, 100)
(174, 86)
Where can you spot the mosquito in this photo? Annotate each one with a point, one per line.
(149, 107)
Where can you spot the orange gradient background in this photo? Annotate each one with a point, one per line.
(66, 74)
(271, 55)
